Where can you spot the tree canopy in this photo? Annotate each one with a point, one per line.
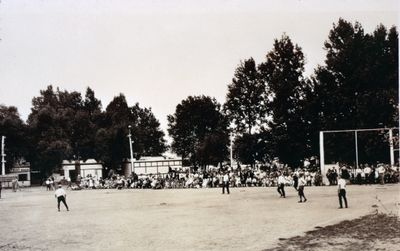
(199, 131)
(273, 109)
(246, 101)
(63, 125)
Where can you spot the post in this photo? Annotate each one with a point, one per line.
(130, 147)
(3, 162)
(391, 147)
(231, 136)
(356, 145)
(322, 156)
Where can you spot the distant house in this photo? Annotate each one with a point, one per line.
(152, 165)
(21, 171)
(84, 168)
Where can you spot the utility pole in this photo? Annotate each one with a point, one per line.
(130, 147)
(3, 162)
(231, 150)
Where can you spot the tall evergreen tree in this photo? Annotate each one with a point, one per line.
(283, 73)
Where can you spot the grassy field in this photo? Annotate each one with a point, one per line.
(194, 219)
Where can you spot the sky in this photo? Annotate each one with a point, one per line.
(158, 52)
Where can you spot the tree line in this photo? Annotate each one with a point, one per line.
(64, 125)
(272, 109)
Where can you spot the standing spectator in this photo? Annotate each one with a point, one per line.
(295, 180)
(358, 175)
(345, 173)
(69, 182)
(367, 172)
(381, 173)
(317, 179)
(281, 185)
(334, 176)
(308, 180)
(61, 196)
(225, 183)
(14, 184)
(91, 182)
(51, 181)
(373, 175)
(329, 176)
(342, 192)
(48, 184)
(302, 183)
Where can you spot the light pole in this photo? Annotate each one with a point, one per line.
(130, 147)
(3, 162)
(231, 150)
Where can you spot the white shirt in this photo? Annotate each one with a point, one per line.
(281, 180)
(226, 178)
(60, 192)
(302, 181)
(341, 183)
(381, 169)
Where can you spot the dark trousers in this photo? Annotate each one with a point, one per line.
(301, 193)
(281, 190)
(225, 185)
(382, 178)
(359, 180)
(61, 199)
(342, 194)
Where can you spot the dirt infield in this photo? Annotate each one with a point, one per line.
(190, 219)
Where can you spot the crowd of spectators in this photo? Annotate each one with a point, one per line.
(240, 177)
(246, 177)
(365, 174)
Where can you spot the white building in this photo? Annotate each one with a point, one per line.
(152, 165)
(88, 167)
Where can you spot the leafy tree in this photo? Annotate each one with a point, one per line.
(213, 149)
(41, 123)
(51, 128)
(148, 137)
(283, 73)
(246, 100)
(114, 132)
(357, 88)
(13, 128)
(112, 141)
(65, 126)
(85, 124)
(249, 148)
(199, 131)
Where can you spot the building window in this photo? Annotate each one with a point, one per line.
(23, 177)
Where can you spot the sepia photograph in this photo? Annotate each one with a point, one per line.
(266, 125)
